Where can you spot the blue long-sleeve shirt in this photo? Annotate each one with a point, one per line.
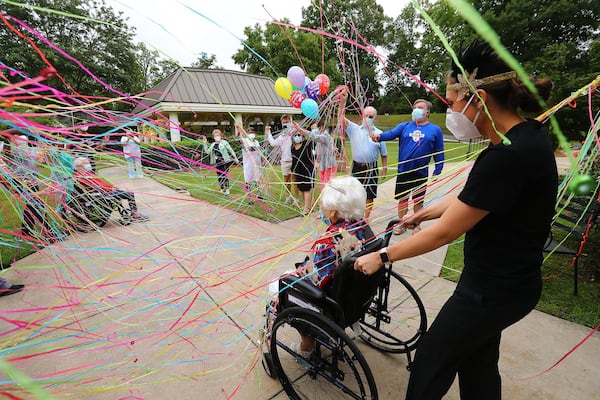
(417, 144)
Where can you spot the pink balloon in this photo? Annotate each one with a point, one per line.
(296, 76)
(323, 81)
(297, 99)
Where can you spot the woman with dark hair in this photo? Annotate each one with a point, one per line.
(505, 210)
(303, 168)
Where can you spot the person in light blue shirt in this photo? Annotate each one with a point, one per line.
(419, 141)
(365, 154)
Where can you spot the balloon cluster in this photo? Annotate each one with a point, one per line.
(301, 92)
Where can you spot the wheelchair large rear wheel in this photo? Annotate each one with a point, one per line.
(335, 369)
(395, 320)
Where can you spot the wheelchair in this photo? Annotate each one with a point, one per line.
(89, 208)
(386, 308)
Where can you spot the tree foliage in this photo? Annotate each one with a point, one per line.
(206, 62)
(552, 38)
(153, 68)
(272, 50)
(360, 21)
(87, 30)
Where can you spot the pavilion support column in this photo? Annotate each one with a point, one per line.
(265, 121)
(174, 127)
(237, 120)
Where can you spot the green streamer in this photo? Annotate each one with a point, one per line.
(440, 34)
(24, 381)
(580, 183)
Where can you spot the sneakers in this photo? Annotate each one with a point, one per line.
(288, 200)
(295, 347)
(11, 290)
(227, 192)
(356, 330)
(141, 218)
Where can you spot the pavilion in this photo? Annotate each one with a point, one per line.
(213, 98)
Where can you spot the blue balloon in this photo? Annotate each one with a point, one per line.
(310, 108)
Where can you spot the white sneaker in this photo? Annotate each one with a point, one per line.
(288, 200)
(295, 347)
(356, 329)
(226, 192)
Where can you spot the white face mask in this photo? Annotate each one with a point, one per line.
(251, 136)
(217, 138)
(87, 167)
(460, 126)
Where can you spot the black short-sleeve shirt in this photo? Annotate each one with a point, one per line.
(517, 184)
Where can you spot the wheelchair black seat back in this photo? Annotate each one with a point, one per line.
(91, 207)
(388, 310)
(344, 300)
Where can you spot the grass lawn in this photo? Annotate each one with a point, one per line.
(202, 184)
(10, 221)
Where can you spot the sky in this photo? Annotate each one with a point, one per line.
(183, 30)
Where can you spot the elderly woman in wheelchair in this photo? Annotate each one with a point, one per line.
(304, 340)
(94, 200)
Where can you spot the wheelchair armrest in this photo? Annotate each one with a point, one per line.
(387, 235)
(302, 285)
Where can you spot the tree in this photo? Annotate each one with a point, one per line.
(105, 48)
(206, 62)
(273, 50)
(360, 21)
(550, 38)
(153, 68)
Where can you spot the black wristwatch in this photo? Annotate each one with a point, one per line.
(385, 259)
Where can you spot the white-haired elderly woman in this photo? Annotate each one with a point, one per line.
(343, 207)
(343, 204)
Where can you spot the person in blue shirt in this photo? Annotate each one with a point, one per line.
(419, 140)
(365, 154)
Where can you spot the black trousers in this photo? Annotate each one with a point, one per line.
(34, 212)
(222, 171)
(31, 217)
(125, 195)
(464, 339)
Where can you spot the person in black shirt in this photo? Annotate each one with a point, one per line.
(303, 168)
(505, 209)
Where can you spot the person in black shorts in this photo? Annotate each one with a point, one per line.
(418, 142)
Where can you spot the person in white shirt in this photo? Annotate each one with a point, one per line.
(284, 141)
(251, 158)
(133, 154)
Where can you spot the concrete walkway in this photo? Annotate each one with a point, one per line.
(171, 308)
